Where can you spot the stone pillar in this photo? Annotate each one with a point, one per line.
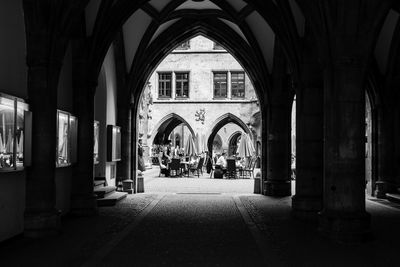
(134, 138)
(278, 149)
(343, 217)
(309, 153)
(124, 121)
(41, 217)
(123, 111)
(386, 125)
(83, 201)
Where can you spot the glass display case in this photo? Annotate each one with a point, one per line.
(113, 143)
(96, 128)
(12, 136)
(66, 138)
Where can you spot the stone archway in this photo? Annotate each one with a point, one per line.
(165, 126)
(232, 142)
(220, 122)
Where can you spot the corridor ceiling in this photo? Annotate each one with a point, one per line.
(251, 30)
(149, 20)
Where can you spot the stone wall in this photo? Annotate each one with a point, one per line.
(200, 61)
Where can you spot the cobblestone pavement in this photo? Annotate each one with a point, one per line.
(204, 229)
(80, 237)
(193, 184)
(298, 243)
(188, 230)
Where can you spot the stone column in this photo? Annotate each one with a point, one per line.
(83, 201)
(134, 137)
(278, 151)
(123, 166)
(41, 217)
(343, 217)
(385, 126)
(124, 121)
(123, 110)
(309, 152)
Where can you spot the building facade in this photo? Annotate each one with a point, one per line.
(195, 88)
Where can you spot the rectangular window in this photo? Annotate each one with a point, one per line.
(182, 85)
(237, 84)
(184, 46)
(113, 143)
(164, 85)
(12, 136)
(66, 138)
(220, 84)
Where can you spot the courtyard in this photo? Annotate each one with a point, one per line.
(153, 183)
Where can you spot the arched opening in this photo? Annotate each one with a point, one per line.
(234, 140)
(206, 95)
(217, 144)
(228, 121)
(167, 126)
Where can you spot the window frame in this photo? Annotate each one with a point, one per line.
(16, 102)
(226, 85)
(182, 82)
(244, 84)
(164, 81)
(72, 132)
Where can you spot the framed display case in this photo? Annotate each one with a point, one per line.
(66, 139)
(14, 141)
(113, 143)
(96, 130)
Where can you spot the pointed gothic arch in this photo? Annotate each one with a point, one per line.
(221, 122)
(165, 126)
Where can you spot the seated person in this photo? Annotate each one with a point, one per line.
(239, 162)
(193, 161)
(221, 162)
(164, 159)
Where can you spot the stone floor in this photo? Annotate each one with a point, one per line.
(193, 184)
(204, 229)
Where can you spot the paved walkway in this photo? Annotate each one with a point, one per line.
(187, 230)
(204, 229)
(193, 184)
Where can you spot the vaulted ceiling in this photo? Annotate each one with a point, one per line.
(254, 26)
(152, 18)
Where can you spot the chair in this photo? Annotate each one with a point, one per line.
(250, 168)
(161, 167)
(175, 166)
(231, 168)
(198, 168)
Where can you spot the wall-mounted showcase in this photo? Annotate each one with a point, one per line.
(67, 126)
(96, 130)
(15, 129)
(113, 143)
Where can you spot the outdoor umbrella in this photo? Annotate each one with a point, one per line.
(2, 148)
(10, 143)
(204, 143)
(246, 148)
(197, 143)
(251, 146)
(20, 147)
(190, 148)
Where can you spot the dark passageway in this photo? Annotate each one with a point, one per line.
(189, 230)
(72, 73)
